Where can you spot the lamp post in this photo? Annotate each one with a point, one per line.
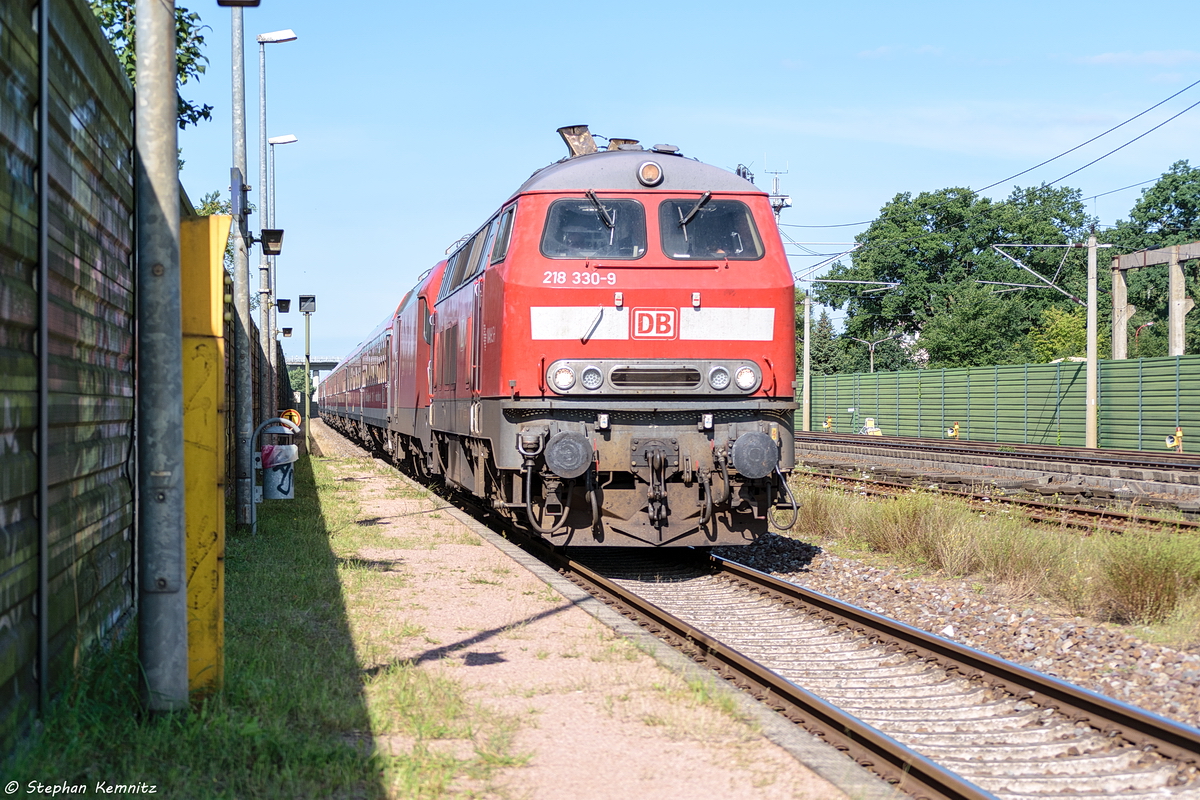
(1137, 350)
(277, 309)
(162, 558)
(243, 405)
(308, 305)
(871, 346)
(267, 394)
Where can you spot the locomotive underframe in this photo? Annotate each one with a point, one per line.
(690, 494)
(658, 475)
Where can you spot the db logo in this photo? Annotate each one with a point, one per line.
(654, 323)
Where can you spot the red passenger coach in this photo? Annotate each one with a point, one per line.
(609, 360)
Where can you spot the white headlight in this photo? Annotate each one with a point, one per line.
(592, 378)
(718, 378)
(745, 378)
(564, 378)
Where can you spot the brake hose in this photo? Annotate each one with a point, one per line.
(791, 500)
(529, 506)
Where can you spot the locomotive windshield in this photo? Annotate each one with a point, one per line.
(707, 228)
(591, 227)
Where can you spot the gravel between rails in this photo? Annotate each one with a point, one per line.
(1102, 658)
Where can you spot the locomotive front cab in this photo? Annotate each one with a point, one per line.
(647, 356)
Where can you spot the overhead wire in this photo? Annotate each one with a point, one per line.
(1094, 138)
(1131, 141)
(1067, 152)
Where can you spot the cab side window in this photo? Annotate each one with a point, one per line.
(500, 248)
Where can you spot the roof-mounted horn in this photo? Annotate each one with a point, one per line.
(578, 139)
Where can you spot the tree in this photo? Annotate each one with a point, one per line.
(977, 328)
(296, 377)
(1063, 334)
(824, 354)
(936, 247)
(1167, 213)
(118, 22)
(891, 355)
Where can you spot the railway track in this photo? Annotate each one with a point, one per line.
(1079, 516)
(937, 719)
(935, 448)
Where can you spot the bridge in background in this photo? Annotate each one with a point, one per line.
(317, 364)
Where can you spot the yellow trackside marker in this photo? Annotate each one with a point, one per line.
(202, 255)
(291, 415)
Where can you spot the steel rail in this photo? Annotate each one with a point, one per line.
(1072, 455)
(896, 763)
(1138, 726)
(1039, 511)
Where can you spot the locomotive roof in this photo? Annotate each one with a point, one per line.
(616, 170)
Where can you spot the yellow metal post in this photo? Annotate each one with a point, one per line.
(202, 252)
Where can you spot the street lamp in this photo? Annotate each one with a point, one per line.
(274, 280)
(268, 396)
(871, 346)
(308, 306)
(1136, 347)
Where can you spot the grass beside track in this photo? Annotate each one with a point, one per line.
(1147, 579)
(299, 714)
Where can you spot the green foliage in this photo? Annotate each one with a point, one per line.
(937, 248)
(1063, 334)
(891, 355)
(937, 242)
(977, 327)
(296, 374)
(118, 22)
(1167, 213)
(214, 203)
(825, 350)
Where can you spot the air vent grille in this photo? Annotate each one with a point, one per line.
(652, 377)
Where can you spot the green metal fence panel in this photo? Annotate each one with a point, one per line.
(1140, 402)
(90, 359)
(1146, 399)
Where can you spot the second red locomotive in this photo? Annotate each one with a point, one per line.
(608, 360)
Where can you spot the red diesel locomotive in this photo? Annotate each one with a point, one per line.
(608, 360)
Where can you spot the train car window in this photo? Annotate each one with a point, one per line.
(500, 248)
(426, 322)
(590, 227)
(700, 228)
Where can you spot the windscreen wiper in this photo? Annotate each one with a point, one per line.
(601, 210)
(704, 198)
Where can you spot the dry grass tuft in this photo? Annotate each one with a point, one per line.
(1147, 579)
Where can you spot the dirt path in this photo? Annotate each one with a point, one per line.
(578, 711)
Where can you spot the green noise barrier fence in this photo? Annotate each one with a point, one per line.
(1141, 401)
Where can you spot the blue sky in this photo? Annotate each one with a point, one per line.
(416, 120)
